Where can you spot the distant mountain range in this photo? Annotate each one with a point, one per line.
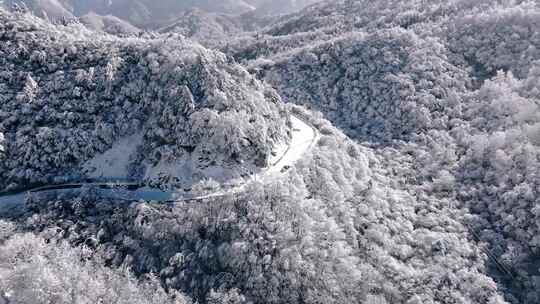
(146, 13)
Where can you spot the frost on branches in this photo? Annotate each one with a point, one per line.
(67, 95)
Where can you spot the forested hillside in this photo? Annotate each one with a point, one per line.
(207, 28)
(423, 185)
(450, 83)
(68, 94)
(108, 24)
(335, 229)
(149, 14)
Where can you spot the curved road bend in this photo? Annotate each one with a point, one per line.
(303, 139)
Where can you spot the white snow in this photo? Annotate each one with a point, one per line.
(113, 163)
(2, 140)
(185, 171)
(178, 168)
(284, 155)
(53, 9)
(303, 138)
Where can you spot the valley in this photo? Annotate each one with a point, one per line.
(253, 151)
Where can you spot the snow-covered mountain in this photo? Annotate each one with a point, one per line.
(50, 9)
(428, 80)
(417, 182)
(279, 7)
(77, 94)
(108, 24)
(151, 14)
(206, 28)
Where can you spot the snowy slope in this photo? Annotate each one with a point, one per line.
(206, 28)
(303, 138)
(109, 24)
(113, 166)
(184, 100)
(53, 10)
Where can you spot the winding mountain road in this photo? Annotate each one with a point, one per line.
(302, 141)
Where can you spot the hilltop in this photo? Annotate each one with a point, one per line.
(69, 95)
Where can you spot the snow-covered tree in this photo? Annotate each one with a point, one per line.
(69, 94)
(33, 270)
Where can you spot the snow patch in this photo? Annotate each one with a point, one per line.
(2, 143)
(114, 163)
(302, 139)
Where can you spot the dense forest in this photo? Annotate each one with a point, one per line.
(422, 187)
(64, 100)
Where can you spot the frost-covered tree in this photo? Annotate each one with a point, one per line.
(385, 85)
(209, 29)
(109, 24)
(503, 37)
(35, 271)
(68, 94)
(425, 80)
(334, 229)
(438, 204)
